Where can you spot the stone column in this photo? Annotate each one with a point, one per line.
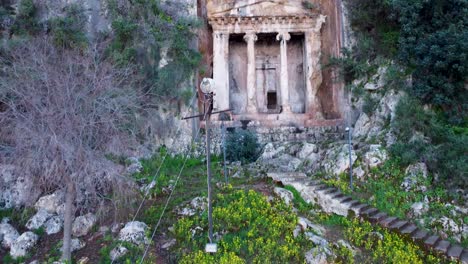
(250, 38)
(284, 37)
(221, 70)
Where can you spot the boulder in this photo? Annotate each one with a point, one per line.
(76, 244)
(270, 152)
(38, 219)
(317, 240)
(135, 165)
(376, 156)
(83, 224)
(359, 173)
(285, 195)
(53, 225)
(22, 244)
(415, 174)
(50, 203)
(9, 234)
(419, 208)
(17, 192)
(317, 255)
(118, 252)
(168, 244)
(362, 126)
(197, 204)
(287, 162)
(336, 160)
(134, 232)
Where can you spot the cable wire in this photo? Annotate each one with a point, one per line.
(172, 192)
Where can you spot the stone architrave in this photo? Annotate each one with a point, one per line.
(284, 37)
(221, 70)
(251, 38)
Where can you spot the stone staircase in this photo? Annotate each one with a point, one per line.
(331, 200)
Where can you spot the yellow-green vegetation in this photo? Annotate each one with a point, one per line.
(252, 229)
(378, 245)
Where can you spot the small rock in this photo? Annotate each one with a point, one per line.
(317, 256)
(116, 227)
(359, 172)
(118, 252)
(134, 232)
(83, 224)
(83, 260)
(304, 223)
(50, 203)
(135, 166)
(53, 225)
(297, 231)
(345, 244)
(307, 150)
(168, 244)
(286, 195)
(9, 234)
(5, 220)
(104, 229)
(419, 209)
(38, 219)
(317, 240)
(22, 244)
(415, 174)
(376, 156)
(76, 245)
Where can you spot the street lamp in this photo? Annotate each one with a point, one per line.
(207, 86)
(350, 159)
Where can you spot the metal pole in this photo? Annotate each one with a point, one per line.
(223, 131)
(208, 168)
(350, 159)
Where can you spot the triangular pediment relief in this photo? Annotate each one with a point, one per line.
(255, 8)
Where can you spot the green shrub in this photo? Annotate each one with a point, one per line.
(26, 22)
(242, 145)
(68, 31)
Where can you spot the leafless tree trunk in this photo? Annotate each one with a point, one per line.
(67, 225)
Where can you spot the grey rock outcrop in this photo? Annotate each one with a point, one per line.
(38, 219)
(23, 244)
(118, 252)
(76, 244)
(83, 224)
(134, 232)
(285, 195)
(50, 203)
(53, 225)
(9, 234)
(415, 174)
(376, 156)
(336, 160)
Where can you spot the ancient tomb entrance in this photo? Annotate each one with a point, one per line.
(267, 88)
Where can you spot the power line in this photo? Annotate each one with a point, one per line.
(170, 195)
(157, 172)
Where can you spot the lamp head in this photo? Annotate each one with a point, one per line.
(347, 129)
(207, 85)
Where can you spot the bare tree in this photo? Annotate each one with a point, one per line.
(61, 112)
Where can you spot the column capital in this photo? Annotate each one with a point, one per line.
(283, 36)
(220, 34)
(250, 36)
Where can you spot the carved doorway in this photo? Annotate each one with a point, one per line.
(267, 84)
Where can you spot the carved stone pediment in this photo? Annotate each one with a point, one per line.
(257, 8)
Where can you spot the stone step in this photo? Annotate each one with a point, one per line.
(370, 212)
(321, 187)
(314, 182)
(352, 203)
(419, 235)
(464, 257)
(409, 229)
(377, 217)
(337, 195)
(442, 246)
(455, 251)
(386, 222)
(431, 241)
(398, 225)
(345, 199)
(359, 207)
(329, 190)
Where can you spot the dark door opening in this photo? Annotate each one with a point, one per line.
(272, 101)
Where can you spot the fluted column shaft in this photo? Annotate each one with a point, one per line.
(251, 38)
(284, 37)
